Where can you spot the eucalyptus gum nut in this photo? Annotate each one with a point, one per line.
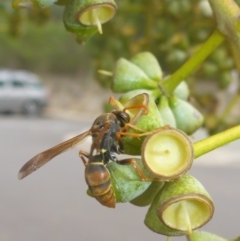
(127, 96)
(153, 222)
(104, 10)
(149, 64)
(187, 117)
(146, 197)
(167, 153)
(127, 76)
(182, 91)
(166, 112)
(126, 181)
(184, 204)
(82, 32)
(147, 123)
(202, 236)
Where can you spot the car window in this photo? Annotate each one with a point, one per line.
(17, 83)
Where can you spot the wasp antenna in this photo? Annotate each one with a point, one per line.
(115, 103)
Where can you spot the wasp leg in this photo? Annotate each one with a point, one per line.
(137, 168)
(82, 155)
(145, 133)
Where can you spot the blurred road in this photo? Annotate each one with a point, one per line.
(51, 204)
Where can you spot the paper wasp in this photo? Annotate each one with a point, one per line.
(106, 132)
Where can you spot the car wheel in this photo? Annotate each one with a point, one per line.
(31, 108)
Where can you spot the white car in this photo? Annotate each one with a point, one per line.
(21, 92)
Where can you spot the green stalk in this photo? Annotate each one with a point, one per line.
(191, 65)
(206, 145)
(226, 13)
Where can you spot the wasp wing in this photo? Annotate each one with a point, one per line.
(44, 157)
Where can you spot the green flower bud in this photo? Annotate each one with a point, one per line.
(166, 112)
(149, 64)
(182, 91)
(188, 118)
(127, 76)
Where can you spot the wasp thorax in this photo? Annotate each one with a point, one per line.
(122, 117)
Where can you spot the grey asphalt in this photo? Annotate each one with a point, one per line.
(51, 204)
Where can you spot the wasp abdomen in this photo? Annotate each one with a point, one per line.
(98, 179)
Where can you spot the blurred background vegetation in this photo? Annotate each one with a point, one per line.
(172, 30)
(35, 39)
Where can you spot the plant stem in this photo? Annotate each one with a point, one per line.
(191, 65)
(206, 145)
(226, 13)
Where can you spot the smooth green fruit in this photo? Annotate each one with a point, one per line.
(188, 118)
(166, 112)
(182, 91)
(146, 197)
(202, 236)
(185, 204)
(127, 76)
(167, 153)
(149, 64)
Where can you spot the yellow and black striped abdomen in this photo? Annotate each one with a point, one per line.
(98, 179)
